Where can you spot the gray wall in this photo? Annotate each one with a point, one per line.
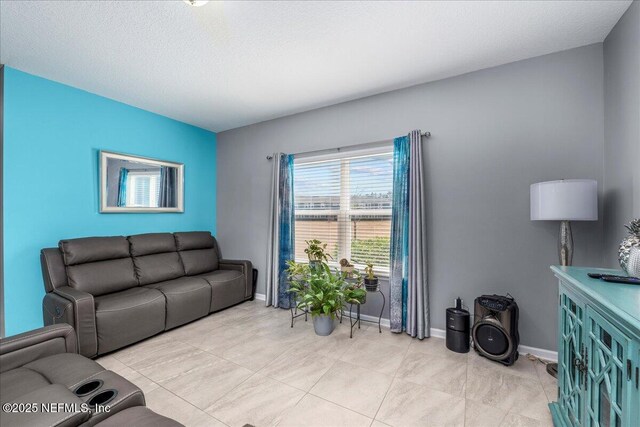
(621, 130)
(495, 132)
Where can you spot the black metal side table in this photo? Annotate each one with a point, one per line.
(353, 321)
(293, 307)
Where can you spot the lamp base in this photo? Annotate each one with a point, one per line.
(565, 244)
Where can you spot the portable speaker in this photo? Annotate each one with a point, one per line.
(495, 328)
(457, 337)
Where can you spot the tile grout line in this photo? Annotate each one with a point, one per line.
(169, 391)
(393, 378)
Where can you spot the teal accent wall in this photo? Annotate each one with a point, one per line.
(52, 136)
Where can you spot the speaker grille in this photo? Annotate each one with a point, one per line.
(492, 339)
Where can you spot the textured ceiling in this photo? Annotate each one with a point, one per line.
(229, 64)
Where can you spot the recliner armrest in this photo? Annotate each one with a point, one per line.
(24, 348)
(243, 266)
(84, 318)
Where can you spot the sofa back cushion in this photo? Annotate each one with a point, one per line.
(198, 251)
(98, 265)
(155, 258)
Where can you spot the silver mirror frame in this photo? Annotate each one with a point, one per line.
(106, 155)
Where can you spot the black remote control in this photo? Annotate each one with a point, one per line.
(621, 279)
(602, 275)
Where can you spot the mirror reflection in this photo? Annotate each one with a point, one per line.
(134, 184)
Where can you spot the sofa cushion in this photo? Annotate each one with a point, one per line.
(158, 267)
(103, 277)
(188, 299)
(199, 261)
(155, 258)
(128, 316)
(227, 288)
(91, 249)
(198, 252)
(68, 369)
(139, 416)
(151, 243)
(18, 382)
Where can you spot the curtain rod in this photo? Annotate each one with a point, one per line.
(338, 149)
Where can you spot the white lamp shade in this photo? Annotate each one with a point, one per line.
(568, 199)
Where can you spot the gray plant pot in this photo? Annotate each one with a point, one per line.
(323, 325)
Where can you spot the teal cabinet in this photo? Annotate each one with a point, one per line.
(598, 351)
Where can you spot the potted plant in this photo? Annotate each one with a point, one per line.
(370, 280)
(296, 273)
(316, 252)
(346, 267)
(321, 294)
(354, 294)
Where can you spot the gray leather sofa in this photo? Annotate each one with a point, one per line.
(44, 382)
(118, 290)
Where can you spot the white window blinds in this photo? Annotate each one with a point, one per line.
(143, 189)
(346, 203)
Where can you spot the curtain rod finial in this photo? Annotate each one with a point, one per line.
(269, 157)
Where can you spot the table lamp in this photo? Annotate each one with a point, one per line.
(565, 200)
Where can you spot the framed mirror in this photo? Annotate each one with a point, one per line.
(134, 184)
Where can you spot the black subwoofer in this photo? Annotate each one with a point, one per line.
(458, 328)
(495, 328)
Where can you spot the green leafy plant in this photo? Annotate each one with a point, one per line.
(322, 292)
(316, 251)
(354, 294)
(369, 271)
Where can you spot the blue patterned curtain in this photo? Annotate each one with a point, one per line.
(287, 227)
(399, 257)
(122, 187)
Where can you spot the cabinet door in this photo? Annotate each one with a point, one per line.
(608, 382)
(570, 376)
(633, 411)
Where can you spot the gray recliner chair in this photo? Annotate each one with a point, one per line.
(118, 290)
(44, 382)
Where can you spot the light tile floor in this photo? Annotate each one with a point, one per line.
(245, 365)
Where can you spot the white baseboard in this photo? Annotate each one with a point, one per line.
(440, 333)
(540, 352)
(383, 322)
(522, 349)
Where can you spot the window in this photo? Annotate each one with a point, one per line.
(144, 188)
(345, 201)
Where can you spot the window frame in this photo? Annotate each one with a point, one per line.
(344, 215)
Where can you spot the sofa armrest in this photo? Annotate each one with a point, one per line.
(24, 348)
(243, 266)
(83, 316)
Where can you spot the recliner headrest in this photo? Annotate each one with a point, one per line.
(152, 243)
(91, 249)
(190, 240)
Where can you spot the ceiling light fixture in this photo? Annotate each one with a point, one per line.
(196, 3)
